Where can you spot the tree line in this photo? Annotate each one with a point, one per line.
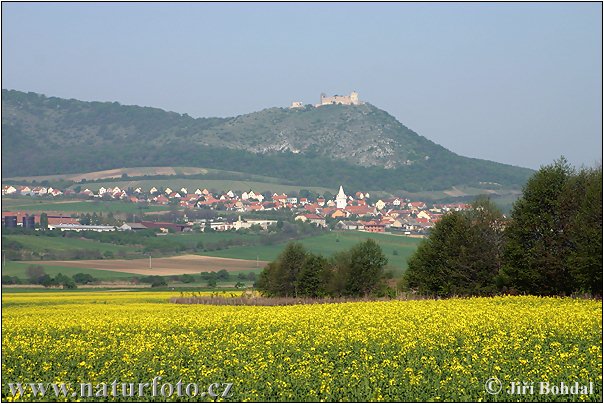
(299, 273)
(550, 245)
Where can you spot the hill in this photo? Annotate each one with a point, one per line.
(359, 146)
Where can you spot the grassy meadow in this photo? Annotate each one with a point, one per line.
(19, 269)
(396, 248)
(330, 243)
(43, 244)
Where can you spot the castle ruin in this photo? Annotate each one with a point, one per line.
(352, 99)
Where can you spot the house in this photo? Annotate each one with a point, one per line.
(338, 214)
(162, 200)
(293, 200)
(424, 215)
(183, 191)
(8, 190)
(166, 225)
(312, 218)
(102, 191)
(167, 191)
(321, 201)
(374, 227)
(80, 227)
(132, 227)
(360, 210)
(153, 190)
(253, 207)
(380, 204)
(269, 205)
(396, 202)
(281, 199)
(349, 225)
(397, 223)
(416, 205)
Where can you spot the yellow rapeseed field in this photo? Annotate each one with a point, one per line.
(432, 350)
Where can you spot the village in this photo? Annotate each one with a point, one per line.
(343, 212)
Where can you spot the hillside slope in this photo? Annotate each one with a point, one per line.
(316, 146)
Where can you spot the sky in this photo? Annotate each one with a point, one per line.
(517, 83)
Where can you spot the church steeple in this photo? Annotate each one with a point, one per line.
(341, 199)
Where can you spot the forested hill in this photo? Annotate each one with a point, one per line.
(361, 146)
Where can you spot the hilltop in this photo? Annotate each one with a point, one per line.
(360, 146)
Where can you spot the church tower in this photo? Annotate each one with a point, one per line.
(341, 199)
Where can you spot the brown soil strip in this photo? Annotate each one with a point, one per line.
(184, 264)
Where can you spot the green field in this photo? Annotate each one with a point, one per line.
(330, 243)
(191, 239)
(41, 244)
(141, 172)
(19, 269)
(33, 205)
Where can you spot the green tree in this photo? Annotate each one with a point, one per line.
(267, 281)
(537, 247)
(290, 264)
(314, 277)
(34, 273)
(159, 282)
(43, 221)
(340, 269)
(582, 200)
(83, 278)
(461, 256)
(367, 262)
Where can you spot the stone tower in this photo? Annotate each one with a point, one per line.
(354, 98)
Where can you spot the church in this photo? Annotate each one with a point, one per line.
(341, 199)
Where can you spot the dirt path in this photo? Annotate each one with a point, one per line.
(184, 264)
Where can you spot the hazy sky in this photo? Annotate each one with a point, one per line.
(518, 83)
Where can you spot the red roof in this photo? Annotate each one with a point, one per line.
(358, 210)
(63, 220)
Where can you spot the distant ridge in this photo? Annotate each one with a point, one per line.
(355, 145)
